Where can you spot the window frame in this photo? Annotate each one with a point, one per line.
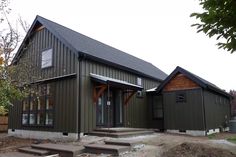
(41, 99)
(50, 64)
(155, 106)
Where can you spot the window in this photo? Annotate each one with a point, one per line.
(157, 107)
(46, 58)
(139, 81)
(24, 118)
(38, 110)
(180, 97)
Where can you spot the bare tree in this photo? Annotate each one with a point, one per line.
(25, 26)
(14, 80)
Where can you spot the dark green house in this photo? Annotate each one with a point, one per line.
(190, 104)
(78, 79)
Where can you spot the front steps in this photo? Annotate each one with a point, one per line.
(34, 151)
(114, 147)
(52, 150)
(120, 132)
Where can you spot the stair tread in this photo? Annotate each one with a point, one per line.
(121, 142)
(106, 146)
(33, 151)
(58, 147)
(106, 149)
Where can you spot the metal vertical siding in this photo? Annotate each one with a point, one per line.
(65, 97)
(135, 113)
(183, 116)
(217, 114)
(14, 120)
(65, 106)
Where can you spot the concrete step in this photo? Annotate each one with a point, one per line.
(62, 150)
(121, 142)
(116, 130)
(30, 150)
(106, 149)
(121, 134)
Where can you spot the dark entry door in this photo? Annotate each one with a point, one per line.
(110, 115)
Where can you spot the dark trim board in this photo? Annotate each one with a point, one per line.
(56, 78)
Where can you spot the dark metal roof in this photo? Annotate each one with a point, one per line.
(120, 83)
(93, 49)
(200, 81)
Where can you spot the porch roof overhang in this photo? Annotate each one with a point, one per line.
(115, 82)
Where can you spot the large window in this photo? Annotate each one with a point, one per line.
(38, 108)
(46, 58)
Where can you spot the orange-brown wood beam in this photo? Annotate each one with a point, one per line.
(129, 97)
(96, 94)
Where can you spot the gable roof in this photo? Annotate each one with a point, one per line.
(93, 49)
(200, 81)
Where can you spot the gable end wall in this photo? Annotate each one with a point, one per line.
(180, 82)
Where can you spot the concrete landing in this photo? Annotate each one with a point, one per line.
(121, 134)
(121, 129)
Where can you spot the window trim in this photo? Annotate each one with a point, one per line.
(51, 63)
(36, 111)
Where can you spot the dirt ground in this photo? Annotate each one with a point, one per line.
(172, 145)
(11, 144)
(156, 145)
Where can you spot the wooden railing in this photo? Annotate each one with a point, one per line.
(3, 123)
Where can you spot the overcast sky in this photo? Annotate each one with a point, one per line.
(156, 31)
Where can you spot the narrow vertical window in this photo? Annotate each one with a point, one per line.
(157, 107)
(24, 118)
(25, 111)
(139, 93)
(46, 60)
(139, 81)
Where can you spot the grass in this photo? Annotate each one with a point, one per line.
(211, 136)
(232, 139)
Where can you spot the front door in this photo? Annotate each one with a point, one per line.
(110, 115)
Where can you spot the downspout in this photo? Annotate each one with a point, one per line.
(204, 111)
(108, 105)
(80, 101)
